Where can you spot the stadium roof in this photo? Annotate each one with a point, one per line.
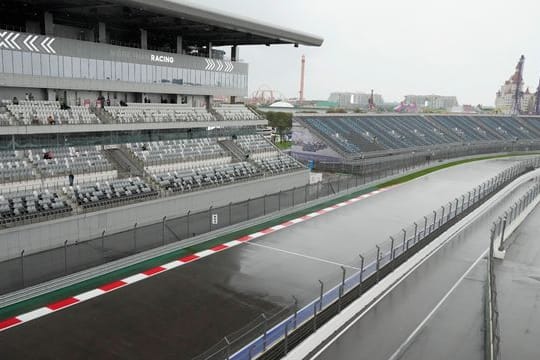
(196, 23)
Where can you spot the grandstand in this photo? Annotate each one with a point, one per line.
(345, 137)
(94, 115)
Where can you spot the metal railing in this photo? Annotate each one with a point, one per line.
(492, 341)
(276, 341)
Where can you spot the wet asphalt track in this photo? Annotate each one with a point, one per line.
(180, 313)
(455, 330)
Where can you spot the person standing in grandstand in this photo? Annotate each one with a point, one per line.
(71, 179)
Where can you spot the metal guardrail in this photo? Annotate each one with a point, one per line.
(492, 341)
(276, 341)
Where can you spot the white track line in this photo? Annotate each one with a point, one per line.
(304, 256)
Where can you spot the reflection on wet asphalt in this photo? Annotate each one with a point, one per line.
(180, 313)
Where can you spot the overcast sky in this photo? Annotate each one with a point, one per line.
(465, 48)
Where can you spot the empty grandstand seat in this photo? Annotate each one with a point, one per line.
(236, 112)
(41, 112)
(157, 113)
(20, 207)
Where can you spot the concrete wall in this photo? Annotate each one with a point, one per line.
(42, 236)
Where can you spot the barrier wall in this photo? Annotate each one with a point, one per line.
(42, 236)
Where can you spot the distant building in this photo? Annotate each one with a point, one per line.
(354, 99)
(432, 101)
(505, 97)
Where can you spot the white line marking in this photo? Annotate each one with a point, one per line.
(89, 294)
(415, 332)
(205, 253)
(32, 315)
(304, 256)
(171, 265)
(135, 278)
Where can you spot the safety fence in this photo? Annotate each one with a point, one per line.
(425, 156)
(492, 341)
(35, 268)
(275, 342)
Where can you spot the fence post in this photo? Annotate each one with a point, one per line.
(286, 340)
(65, 257)
(210, 217)
(318, 186)
(434, 218)
(22, 267)
(230, 213)
(293, 191)
(228, 348)
(341, 288)
(305, 193)
(103, 241)
(425, 225)
(265, 329)
(377, 263)
(264, 205)
(163, 231)
(441, 220)
(360, 278)
(501, 243)
(295, 310)
(187, 223)
(135, 237)
(321, 294)
(405, 243)
(415, 232)
(248, 200)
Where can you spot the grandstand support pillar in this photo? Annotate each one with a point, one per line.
(144, 39)
(210, 48)
(49, 23)
(179, 44)
(102, 32)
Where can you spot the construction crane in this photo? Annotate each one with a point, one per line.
(518, 80)
(538, 99)
(371, 102)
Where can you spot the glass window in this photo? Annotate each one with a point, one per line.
(92, 64)
(143, 73)
(60, 66)
(53, 65)
(157, 75)
(131, 70)
(7, 59)
(27, 63)
(45, 65)
(125, 72)
(118, 70)
(84, 68)
(107, 70)
(138, 72)
(17, 62)
(99, 70)
(149, 73)
(76, 67)
(68, 66)
(36, 64)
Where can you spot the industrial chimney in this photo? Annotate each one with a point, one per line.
(302, 74)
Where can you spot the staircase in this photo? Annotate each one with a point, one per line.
(126, 164)
(217, 115)
(236, 151)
